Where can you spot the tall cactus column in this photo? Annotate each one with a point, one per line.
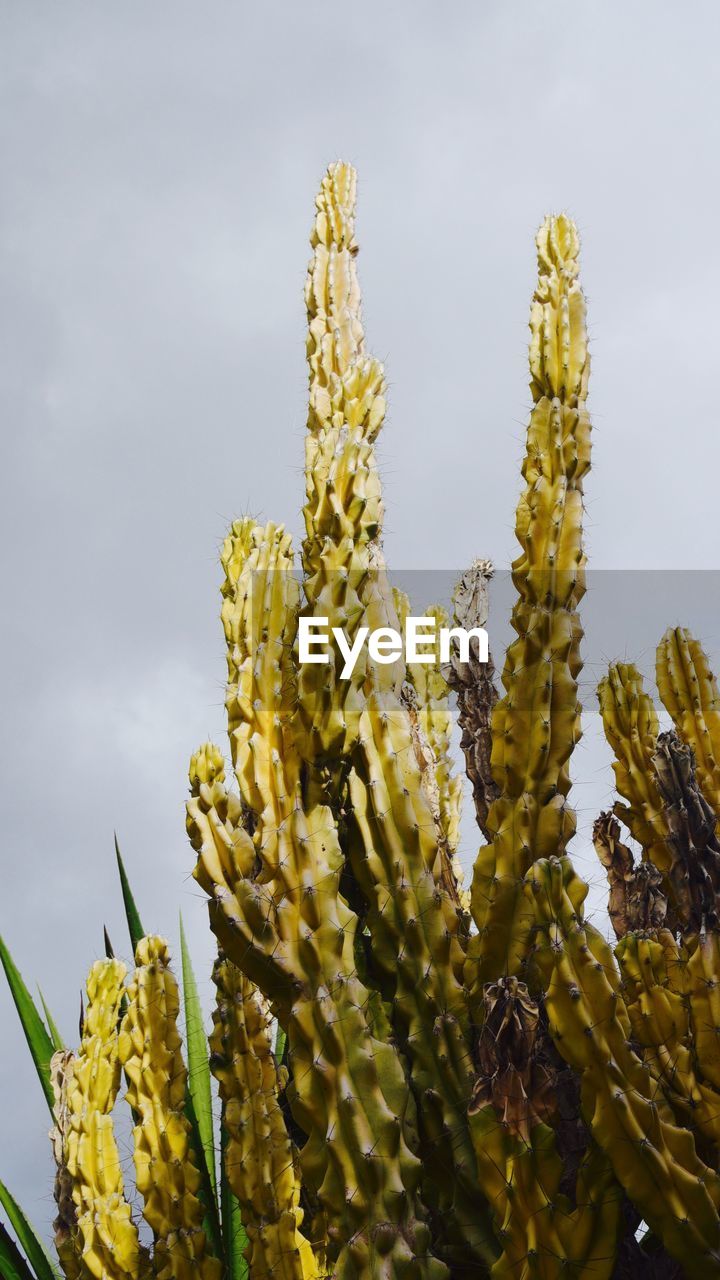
(278, 906)
(106, 1240)
(261, 1163)
(358, 731)
(166, 1175)
(536, 724)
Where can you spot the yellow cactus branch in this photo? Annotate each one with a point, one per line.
(165, 1172)
(242, 909)
(703, 977)
(68, 1243)
(689, 691)
(260, 1161)
(537, 723)
(259, 617)
(653, 1158)
(631, 728)
(110, 1247)
(655, 987)
(344, 578)
(418, 946)
(281, 918)
(542, 1232)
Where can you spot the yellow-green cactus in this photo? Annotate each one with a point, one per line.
(287, 765)
(95, 1235)
(703, 993)
(261, 1163)
(502, 1096)
(165, 1170)
(653, 1157)
(655, 979)
(537, 723)
(109, 1239)
(689, 691)
(279, 914)
(343, 505)
(418, 947)
(544, 1231)
(67, 1241)
(631, 728)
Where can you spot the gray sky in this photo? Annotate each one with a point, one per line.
(159, 166)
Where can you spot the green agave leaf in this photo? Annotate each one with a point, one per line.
(234, 1233)
(134, 923)
(30, 1241)
(198, 1061)
(12, 1264)
(40, 1044)
(51, 1025)
(198, 1102)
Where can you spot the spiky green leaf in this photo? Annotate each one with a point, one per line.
(55, 1036)
(198, 1061)
(198, 1101)
(206, 1194)
(28, 1237)
(134, 923)
(36, 1033)
(12, 1264)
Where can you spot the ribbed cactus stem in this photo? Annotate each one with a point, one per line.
(349, 1092)
(260, 1160)
(165, 1170)
(655, 987)
(631, 728)
(689, 691)
(418, 947)
(280, 916)
(546, 1228)
(543, 1234)
(68, 1243)
(110, 1247)
(344, 573)
(653, 1158)
(537, 723)
(703, 978)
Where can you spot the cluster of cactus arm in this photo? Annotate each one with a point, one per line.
(414, 1082)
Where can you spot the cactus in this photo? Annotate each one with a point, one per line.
(451, 1092)
(689, 691)
(108, 1243)
(260, 1158)
(165, 1170)
(537, 723)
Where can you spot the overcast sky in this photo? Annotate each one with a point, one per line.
(159, 164)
